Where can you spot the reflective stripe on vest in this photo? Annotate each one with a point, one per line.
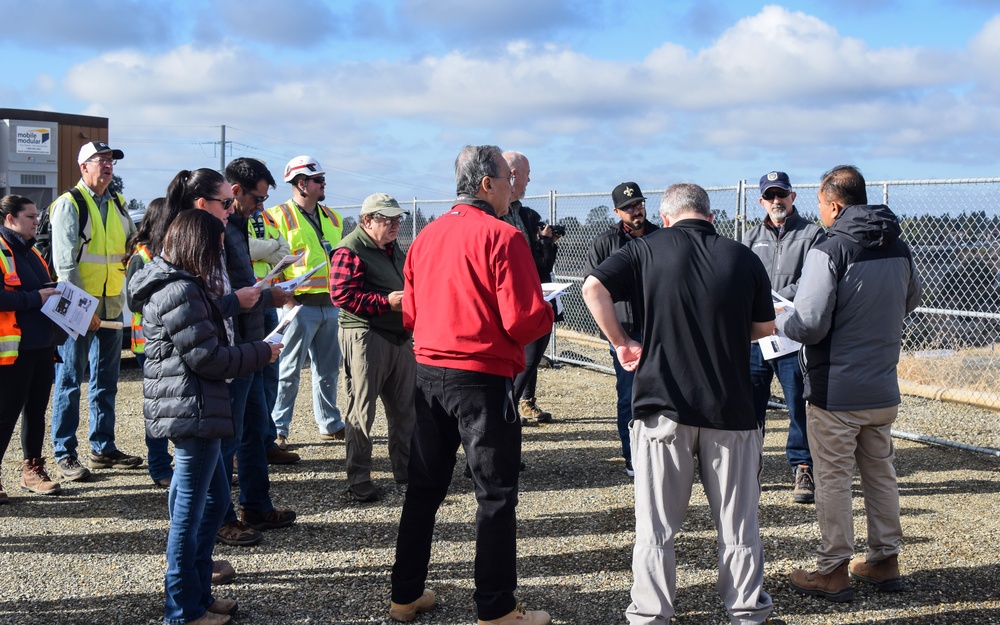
(138, 338)
(10, 332)
(101, 269)
(302, 237)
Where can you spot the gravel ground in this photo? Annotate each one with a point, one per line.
(96, 553)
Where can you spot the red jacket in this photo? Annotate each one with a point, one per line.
(465, 299)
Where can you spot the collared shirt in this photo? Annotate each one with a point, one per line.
(347, 277)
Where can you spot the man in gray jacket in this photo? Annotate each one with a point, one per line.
(781, 242)
(856, 288)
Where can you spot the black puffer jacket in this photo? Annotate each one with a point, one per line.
(188, 358)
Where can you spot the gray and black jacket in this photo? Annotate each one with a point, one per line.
(783, 251)
(188, 358)
(856, 288)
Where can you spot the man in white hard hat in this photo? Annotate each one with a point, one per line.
(312, 230)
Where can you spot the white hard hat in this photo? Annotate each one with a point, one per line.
(304, 165)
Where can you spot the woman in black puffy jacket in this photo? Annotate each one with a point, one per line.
(189, 357)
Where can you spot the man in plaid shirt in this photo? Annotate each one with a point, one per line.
(366, 282)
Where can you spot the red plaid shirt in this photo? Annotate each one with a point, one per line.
(347, 276)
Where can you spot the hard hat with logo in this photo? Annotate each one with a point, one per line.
(302, 165)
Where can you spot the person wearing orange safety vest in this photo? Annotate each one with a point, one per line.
(91, 260)
(313, 230)
(27, 341)
(267, 248)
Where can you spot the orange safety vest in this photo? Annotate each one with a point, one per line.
(10, 332)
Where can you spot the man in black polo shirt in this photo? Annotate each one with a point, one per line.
(704, 298)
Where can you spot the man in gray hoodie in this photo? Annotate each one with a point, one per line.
(856, 288)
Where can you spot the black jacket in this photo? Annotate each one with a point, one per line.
(248, 325)
(606, 244)
(36, 328)
(187, 356)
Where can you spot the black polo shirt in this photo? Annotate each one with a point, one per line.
(700, 293)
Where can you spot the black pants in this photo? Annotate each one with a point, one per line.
(26, 385)
(524, 383)
(475, 410)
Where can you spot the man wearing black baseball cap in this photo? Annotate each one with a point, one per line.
(781, 242)
(630, 208)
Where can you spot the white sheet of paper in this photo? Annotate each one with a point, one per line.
(291, 285)
(72, 309)
(278, 333)
(778, 344)
(279, 268)
(551, 290)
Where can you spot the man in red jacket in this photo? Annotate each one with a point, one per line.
(471, 318)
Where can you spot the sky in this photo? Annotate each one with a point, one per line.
(384, 93)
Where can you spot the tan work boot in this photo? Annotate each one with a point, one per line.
(884, 575)
(222, 572)
(224, 606)
(835, 586)
(35, 479)
(406, 612)
(520, 616)
(532, 413)
(212, 618)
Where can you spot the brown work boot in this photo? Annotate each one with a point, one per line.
(210, 618)
(222, 572)
(884, 575)
(834, 586)
(532, 413)
(277, 455)
(520, 616)
(406, 612)
(35, 479)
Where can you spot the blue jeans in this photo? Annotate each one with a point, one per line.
(313, 331)
(623, 388)
(157, 454)
(199, 494)
(250, 417)
(790, 378)
(475, 410)
(271, 374)
(103, 349)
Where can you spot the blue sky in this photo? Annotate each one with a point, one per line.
(385, 92)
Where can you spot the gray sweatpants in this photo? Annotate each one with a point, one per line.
(663, 457)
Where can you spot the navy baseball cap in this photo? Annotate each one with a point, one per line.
(777, 179)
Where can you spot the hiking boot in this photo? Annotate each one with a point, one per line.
(281, 442)
(363, 492)
(277, 455)
(211, 618)
(238, 534)
(835, 586)
(336, 436)
(224, 606)
(222, 572)
(72, 470)
(35, 479)
(163, 482)
(405, 612)
(773, 621)
(805, 488)
(629, 471)
(520, 616)
(533, 413)
(114, 459)
(884, 574)
(273, 519)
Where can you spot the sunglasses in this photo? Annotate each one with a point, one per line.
(770, 194)
(226, 202)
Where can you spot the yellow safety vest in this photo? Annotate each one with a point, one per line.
(301, 235)
(138, 338)
(10, 332)
(261, 267)
(100, 265)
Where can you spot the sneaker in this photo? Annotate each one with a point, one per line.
(222, 572)
(273, 519)
(405, 612)
(520, 616)
(883, 574)
(72, 470)
(629, 471)
(35, 479)
(238, 534)
(277, 455)
(336, 436)
(533, 413)
(363, 492)
(835, 586)
(805, 488)
(114, 459)
(281, 442)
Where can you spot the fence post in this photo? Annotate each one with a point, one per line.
(553, 218)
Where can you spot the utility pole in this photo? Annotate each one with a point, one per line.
(222, 150)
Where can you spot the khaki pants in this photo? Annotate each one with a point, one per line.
(375, 367)
(839, 440)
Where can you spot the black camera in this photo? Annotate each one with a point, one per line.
(559, 231)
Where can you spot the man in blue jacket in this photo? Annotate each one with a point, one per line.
(855, 290)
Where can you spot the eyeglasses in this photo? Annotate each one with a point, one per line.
(226, 202)
(510, 179)
(634, 206)
(317, 179)
(103, 161)
(770, 194)
(388, 220)
(258, 199)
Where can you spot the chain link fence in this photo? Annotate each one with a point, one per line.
(952, 227)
